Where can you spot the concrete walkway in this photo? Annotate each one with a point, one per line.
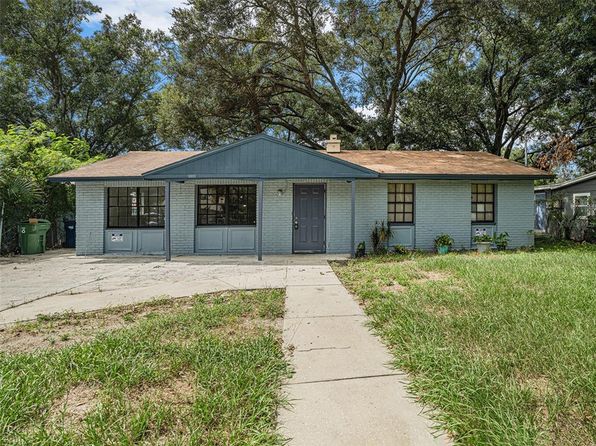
(343, 392)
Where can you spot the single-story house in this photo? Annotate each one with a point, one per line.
(265, 195)
(572, 196)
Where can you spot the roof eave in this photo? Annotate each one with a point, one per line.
(437, 176)
(55, 179)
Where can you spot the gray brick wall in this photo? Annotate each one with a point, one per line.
(183, 215)
(371, 206)
(515, 211)
(441, 206)
(90, 212)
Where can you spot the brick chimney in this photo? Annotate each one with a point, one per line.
(333, 144)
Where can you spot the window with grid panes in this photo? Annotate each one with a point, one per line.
(400, 203)
(227, 205)
(483, 203)
(136, 207)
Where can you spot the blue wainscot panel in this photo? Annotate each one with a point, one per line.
(490, 229)
(402, 235)
(120, 240)
(225, 240)
(144, 241)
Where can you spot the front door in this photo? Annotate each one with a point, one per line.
(309, 218)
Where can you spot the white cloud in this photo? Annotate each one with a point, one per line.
(154, 14)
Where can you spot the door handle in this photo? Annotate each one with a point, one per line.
(296, 223)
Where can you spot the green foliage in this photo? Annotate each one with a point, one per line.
(521, 73)
(400, 249)
(501, 240)
(591, 229)
(28, 155)
(361, 250)
(571, 223)
(302, 68)
(443, 240)
(98, 87)
(379, 237)
(482, 238)
(499, 347)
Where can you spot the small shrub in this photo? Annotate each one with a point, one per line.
(501, 240)
(591, 229)
(400, 249)
(361, 250)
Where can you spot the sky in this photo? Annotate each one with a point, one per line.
(154, 14)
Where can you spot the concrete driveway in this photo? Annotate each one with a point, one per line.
(59, 281)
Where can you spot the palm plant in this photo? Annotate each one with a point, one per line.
(18, 196)
(380, 236)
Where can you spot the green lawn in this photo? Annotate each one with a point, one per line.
(503, 344)
(205, 370)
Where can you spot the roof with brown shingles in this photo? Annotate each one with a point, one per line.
(436, 163)
(416, 163)
(133, 165)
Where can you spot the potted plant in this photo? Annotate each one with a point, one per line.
(501, 241)
(483, 242)
(443, 242)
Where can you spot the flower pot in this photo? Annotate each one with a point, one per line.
(483, 246)
(442, 249)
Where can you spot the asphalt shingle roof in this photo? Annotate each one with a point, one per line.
(437, 163)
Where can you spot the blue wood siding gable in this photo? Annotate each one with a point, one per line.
(261, 156)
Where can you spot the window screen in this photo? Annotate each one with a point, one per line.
(227, 205)
(136, 207)
(483, 203)
(400, 203)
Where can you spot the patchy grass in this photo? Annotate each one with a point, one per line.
(504, 344)
(205, 370)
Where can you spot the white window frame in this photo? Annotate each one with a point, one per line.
(586, 206)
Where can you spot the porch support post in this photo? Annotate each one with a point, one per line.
(353, 220)
(260, 219)
(167, 221)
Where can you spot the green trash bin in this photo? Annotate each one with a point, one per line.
(32, 235)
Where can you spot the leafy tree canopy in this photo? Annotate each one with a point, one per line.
(307, 67)
(494, 75)
(99, 87)
(523, 77)
(28, 155)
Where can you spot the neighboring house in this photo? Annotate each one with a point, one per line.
(264, 195)
(573, 196)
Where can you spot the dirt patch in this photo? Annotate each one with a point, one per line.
(248, 327)
(62, 330)
(430, 276)
(178, 390)
(394, 288)
(74, 406)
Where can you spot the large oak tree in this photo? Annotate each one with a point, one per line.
(100, 87)
(306, 67)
